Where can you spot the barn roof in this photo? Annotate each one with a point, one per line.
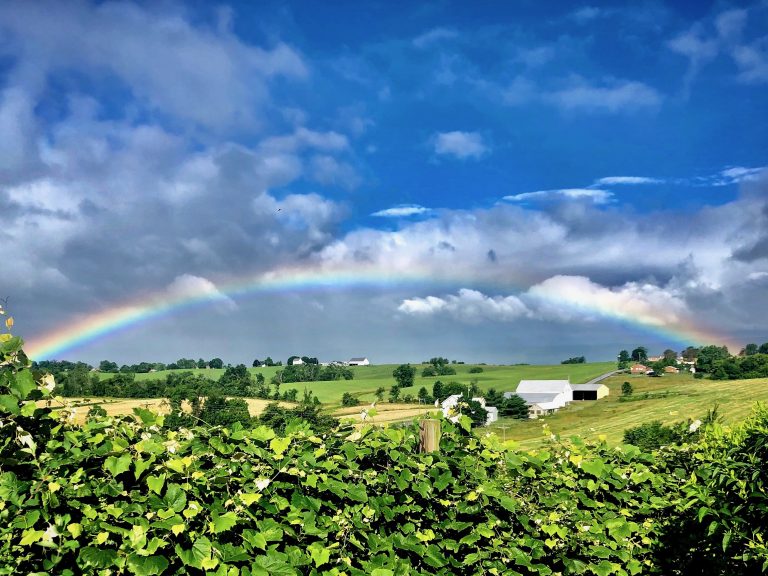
(586, 387)
(543, 386)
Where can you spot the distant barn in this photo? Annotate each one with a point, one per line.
(589, 391)
(358, 362)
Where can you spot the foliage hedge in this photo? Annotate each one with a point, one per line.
(129, 496)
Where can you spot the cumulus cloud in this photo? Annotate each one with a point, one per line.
(559, 298)
(565, 297)
(401, 211)
(468, 305)
(190, 287)
(595, 195)
(461, 145)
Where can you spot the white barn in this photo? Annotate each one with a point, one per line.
(358, 362)
(543, 396)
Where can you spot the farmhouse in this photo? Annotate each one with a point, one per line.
(671, 370)
(358, 362)
(639, 369)
(589, 391)
(493, 412)
(450, 404)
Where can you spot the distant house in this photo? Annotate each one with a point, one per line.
(358, 362)
(639, 369)
(492, 411)
(451, 402)
(655, 358)
(671, 370)
(589, 391)
(297, 361)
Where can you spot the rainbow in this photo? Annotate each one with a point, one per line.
(95, 326)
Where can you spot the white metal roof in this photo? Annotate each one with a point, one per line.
(543, 386)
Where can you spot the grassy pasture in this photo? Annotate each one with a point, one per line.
(687, 397)
(369, 378)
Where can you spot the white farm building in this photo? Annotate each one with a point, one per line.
(543, 396)
(358, 362)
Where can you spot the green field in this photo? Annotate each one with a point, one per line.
(369, 378)
(688, 398)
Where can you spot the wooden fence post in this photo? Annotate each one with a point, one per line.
(429, 436)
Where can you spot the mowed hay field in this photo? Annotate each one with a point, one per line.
(368, 378)
(687, 398)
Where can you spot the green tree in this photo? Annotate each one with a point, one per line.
(626, 389)
(107, 366)
(404, 375)
(640, 354)
(670, 357)
(709, 357)
(236, 381)
(512, 407)
(347, 399)
(216, 363)
(624, 359)
(380, 391)
(394, 394)
(750, 350)
(475, 411)
(256, 363)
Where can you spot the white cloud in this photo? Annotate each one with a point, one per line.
(534, 57)
(736, 175)
(613, 97)
(329, 171)
(208, 76)
(595, 195)
(520, 91)
(305, 138)
(752, 61)
(460, 145)
(565, 297)
(401, 211)
(613, 180)
(750, 56)
(559, 298)
(587, 14)
(468, 305)
(188, 286)
(432, 36)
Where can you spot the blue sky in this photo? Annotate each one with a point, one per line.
(593, 175)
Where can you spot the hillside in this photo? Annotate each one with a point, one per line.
(369, 378)
(686, 398)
